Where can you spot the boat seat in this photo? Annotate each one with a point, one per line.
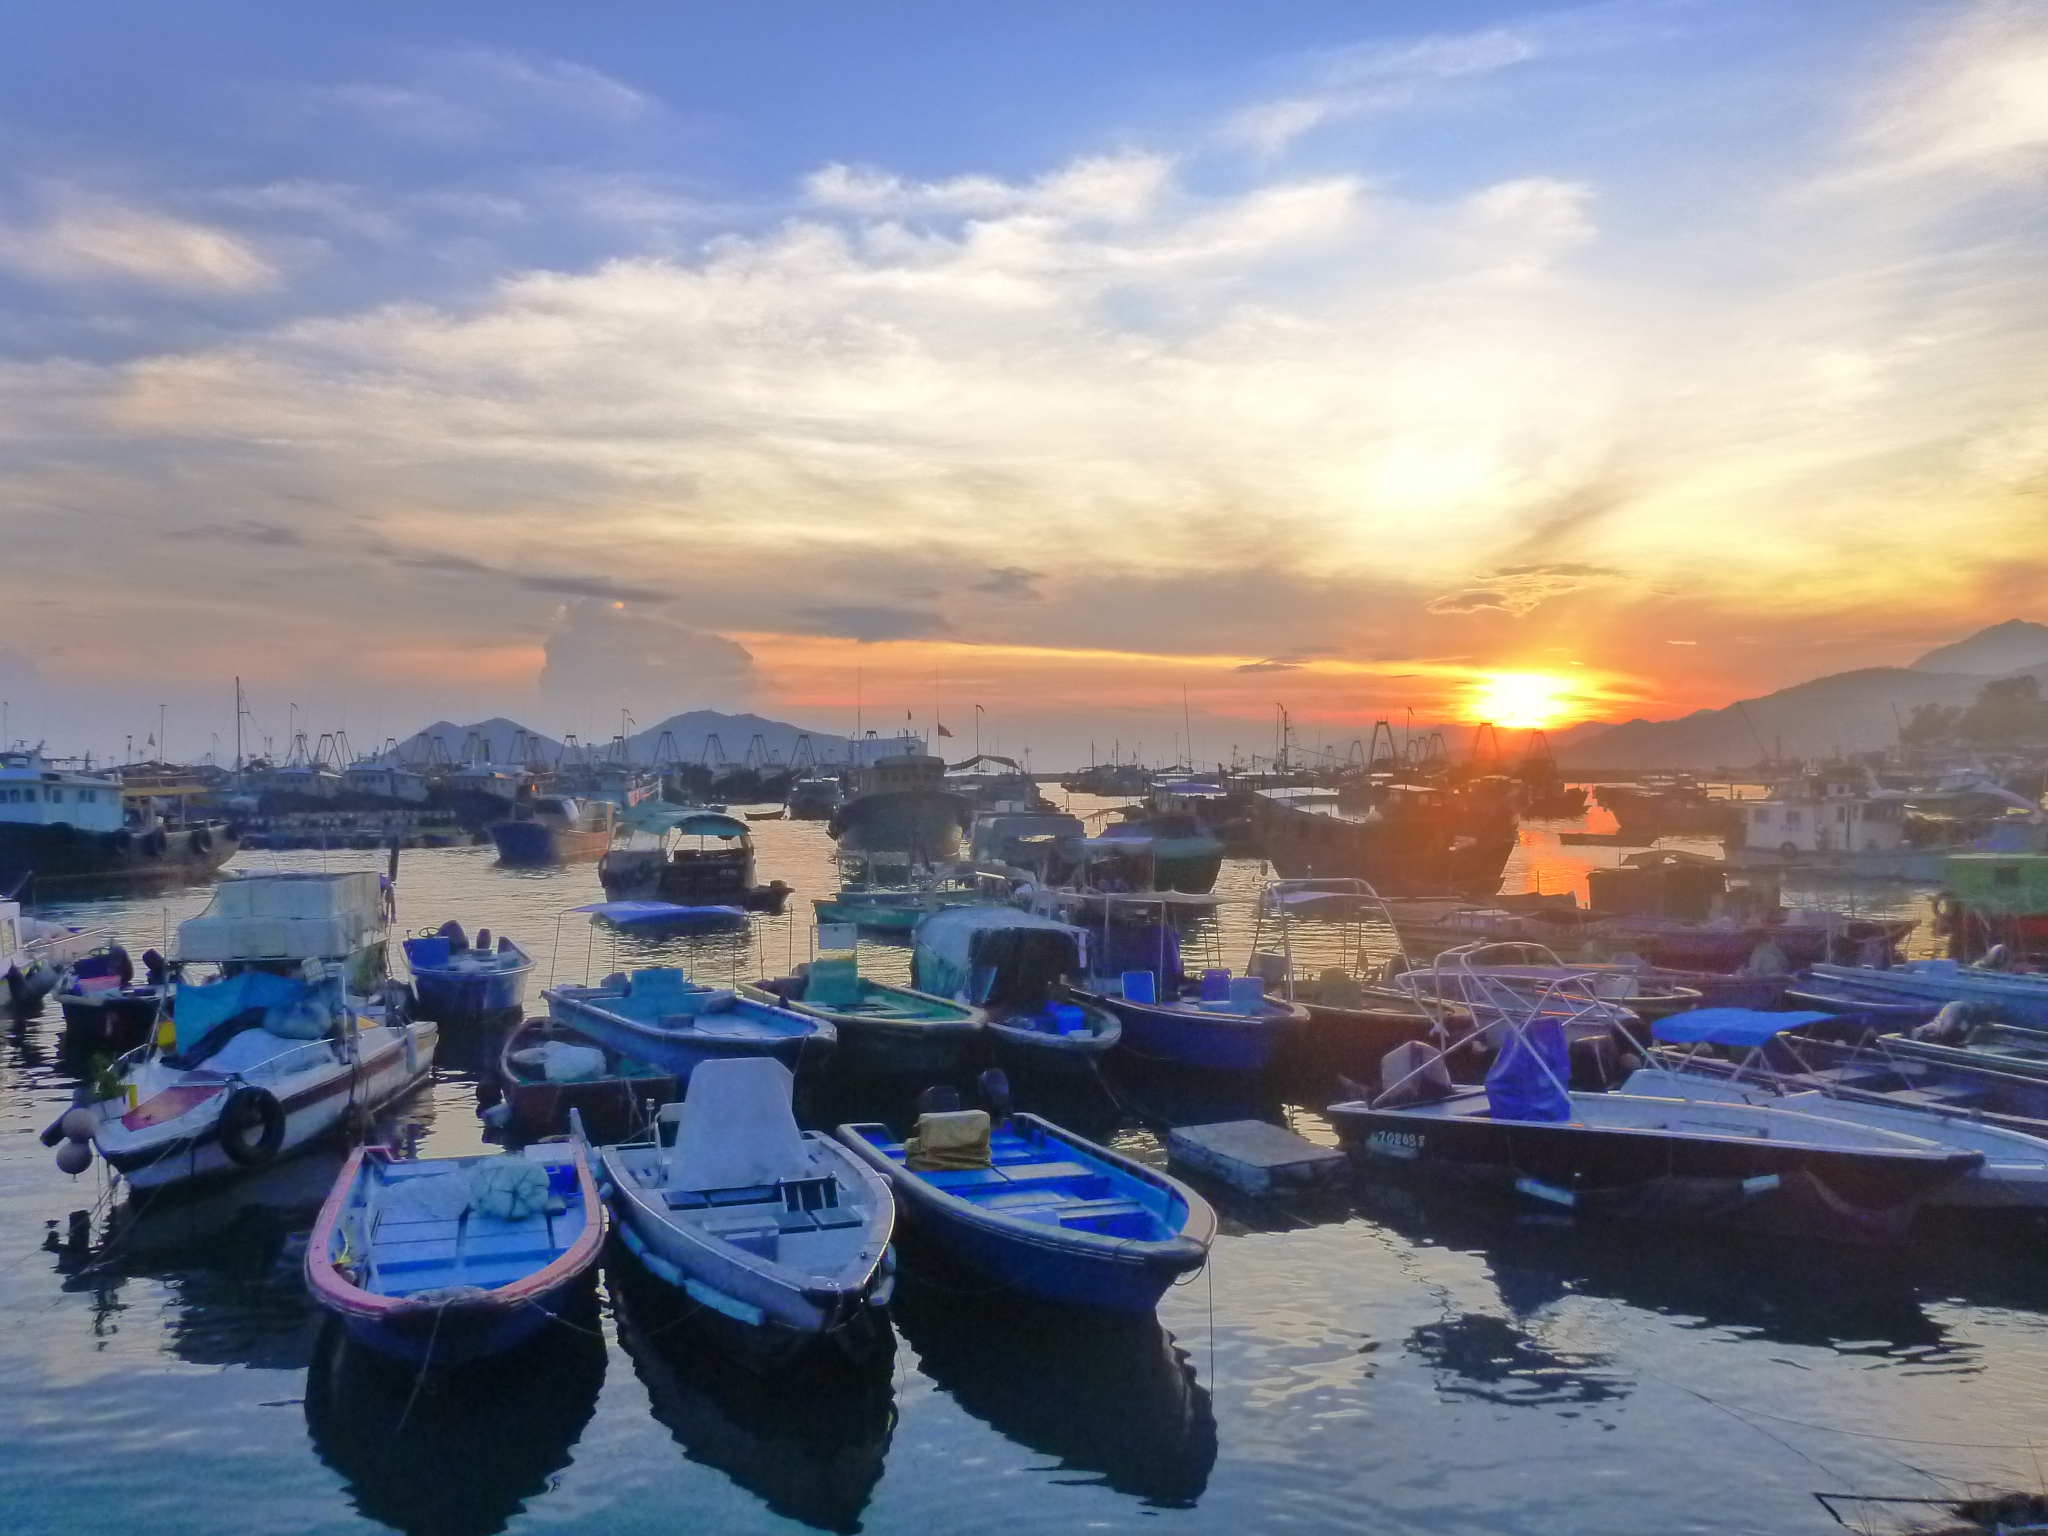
(708, 1199)
(1047, 1173)
(956, 1179)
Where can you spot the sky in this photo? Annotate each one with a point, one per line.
(1089, 377)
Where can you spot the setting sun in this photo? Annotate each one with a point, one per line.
(1525, 700)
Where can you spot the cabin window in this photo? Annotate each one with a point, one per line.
(2006, 875)
(1763, 818)
(1841, 813)
(14, 795)
(56, 796)
(1791, 818)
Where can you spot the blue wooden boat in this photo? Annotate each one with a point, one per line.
(2017, 997)
(455, 982)
(1847, 998)
(1053, 1215)
(781, 1232)
(453, 1259)
(1216, 1035)
(660, 1017)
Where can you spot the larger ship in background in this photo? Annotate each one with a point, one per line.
(67, 828)
(901, 804)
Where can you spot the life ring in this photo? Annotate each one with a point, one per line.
(251, 1109)
(201, 840)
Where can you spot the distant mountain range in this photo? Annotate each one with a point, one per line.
(500, 740)
(1858, 711)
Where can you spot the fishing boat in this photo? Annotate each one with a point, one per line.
(2017, 997)
(1019, 968)
(781, 1232)
(900, 804)
(35, 953)
(456, 982)
(1151, 850)
(1354, 1020)
(1526, 1133)
(897, 909)
(660, 1017)
(1873, 1005)
(449, 1260)
(1043, 1212)
(1220, 1024)
(1501, 991)
(297, 1034)
(105, 1009)
(697, 858)
(884, 1030)
(76, 829)
(555, 829)
(1406, 840)
(547, 1068)
(2014, 1174)
(1963, 1036)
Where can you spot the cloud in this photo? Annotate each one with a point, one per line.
(246, 530)
(1975, 99)
(1372, 79)
(602, 587)
(1520, 589)
(84, 238)
(862, 621)
(605, 657)
(1271, 665)
(1112, 188)
(1011, 581)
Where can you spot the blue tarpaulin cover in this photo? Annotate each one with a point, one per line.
(1518, 1086)
(626, 913)
(1741, 1027)
(199, 1007)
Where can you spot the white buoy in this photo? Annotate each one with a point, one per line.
(74, 1157)
(80, 1123)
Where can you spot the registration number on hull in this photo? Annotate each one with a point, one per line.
(1406, 1145)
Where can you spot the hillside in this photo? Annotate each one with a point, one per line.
(1858, 711)
(445, 740)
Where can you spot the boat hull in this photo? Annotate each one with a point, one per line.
(925, 824)
(767, 1315)
(680, 1053)
(1029, 1053)
(63, 857)
(107, 1022)
(611, 1108)
(1184, 1035)
(1425, 856)
(1040, 1260)
(1785, 1188)
(470, 997)
(462, 1325)
(310, 1113)
(536, 843)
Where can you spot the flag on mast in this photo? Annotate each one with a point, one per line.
(943, 731)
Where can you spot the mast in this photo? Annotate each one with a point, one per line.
(238, 725)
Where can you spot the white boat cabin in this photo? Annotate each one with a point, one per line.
(386, 783)
(1827, 813)
(34, 794)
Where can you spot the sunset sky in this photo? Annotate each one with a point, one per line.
(1104, 366)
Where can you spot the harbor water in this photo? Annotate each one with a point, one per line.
(1383, 1361)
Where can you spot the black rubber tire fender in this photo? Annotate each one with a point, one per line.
(249, 1108)
(201, 840)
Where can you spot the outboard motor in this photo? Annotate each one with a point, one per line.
(939, 1099)
(155, 967)
(452, 932)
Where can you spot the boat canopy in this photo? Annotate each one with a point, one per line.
(710, 824)
(1746, 1028)
(995, 954)
(629, 912)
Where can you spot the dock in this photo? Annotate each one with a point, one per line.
(1255, 1157)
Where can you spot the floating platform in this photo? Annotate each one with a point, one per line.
(1256, 1157)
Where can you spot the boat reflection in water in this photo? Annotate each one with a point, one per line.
(228, 1260)
(1114, 1396)
(457, 1454)
(809, 1439)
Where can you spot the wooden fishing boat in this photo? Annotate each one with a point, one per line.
(1019, 968)
(782, 1233)
(555, 829)
(443, 1261)
(1051, 1214)
(2016, 997)
(544, 1078)
(105, 1009)
(661, 1017)
(454, 982)
(882, 1029)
